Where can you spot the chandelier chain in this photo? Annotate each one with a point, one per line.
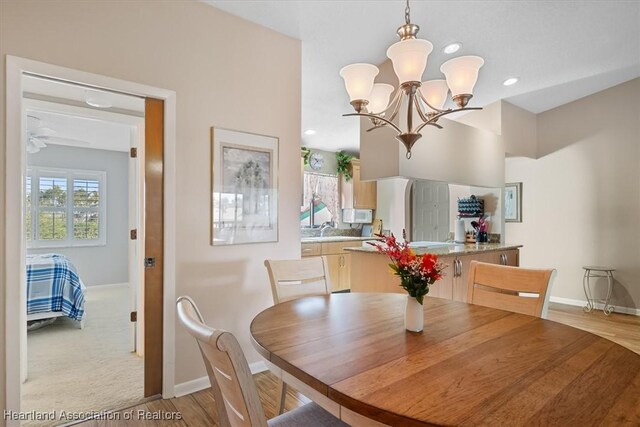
(407, 13)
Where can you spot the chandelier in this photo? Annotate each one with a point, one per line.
(426, 99)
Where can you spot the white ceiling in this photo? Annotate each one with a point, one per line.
(77, 131)
(560, 50)
(60, 108)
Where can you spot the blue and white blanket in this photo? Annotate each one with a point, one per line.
(53, 284)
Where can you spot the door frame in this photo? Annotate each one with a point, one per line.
(14, 256)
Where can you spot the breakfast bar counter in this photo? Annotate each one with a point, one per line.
(370, 270)
(448, 249)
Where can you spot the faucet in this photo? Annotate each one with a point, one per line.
(324, 227)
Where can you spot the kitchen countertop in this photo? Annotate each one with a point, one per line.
(328, 239)
(451, 249)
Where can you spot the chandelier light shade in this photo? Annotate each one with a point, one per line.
(426, 99)
(358, 79)
(462, 74)
(380, 97)
(435, 92)
(409, 58)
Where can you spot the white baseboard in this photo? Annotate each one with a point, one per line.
(192, 386)
(582, 303)
(202, 383)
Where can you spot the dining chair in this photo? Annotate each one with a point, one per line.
(515, 289)
(292, 279)
(235, 393)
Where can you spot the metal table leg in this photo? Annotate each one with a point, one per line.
(587, 292)
(607, 309)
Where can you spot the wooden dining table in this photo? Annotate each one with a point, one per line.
(471, 365)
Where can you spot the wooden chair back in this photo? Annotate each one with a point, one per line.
(227, 368)
(292, 279)
(502, 287)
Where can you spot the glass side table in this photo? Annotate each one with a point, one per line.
(597, 272)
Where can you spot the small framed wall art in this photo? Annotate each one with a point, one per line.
(244, 183)
(513, 202)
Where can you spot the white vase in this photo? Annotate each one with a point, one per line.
(413, 315)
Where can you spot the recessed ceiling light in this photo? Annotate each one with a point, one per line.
(452, 48)
(510, 81)
(309, 132)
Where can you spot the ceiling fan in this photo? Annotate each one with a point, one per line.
(38, 135)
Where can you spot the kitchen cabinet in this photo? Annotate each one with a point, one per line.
(462, 265)
(357, 194)
(339, 272)
(370, 272)
(311, 249)
(338, 261)
(454, 283)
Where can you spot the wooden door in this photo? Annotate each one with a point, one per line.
(429, 211)
(333, 261)
(154, 245)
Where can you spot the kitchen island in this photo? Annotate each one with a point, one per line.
(370, 270)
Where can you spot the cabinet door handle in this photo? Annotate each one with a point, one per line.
(456, 270)
(341, 261)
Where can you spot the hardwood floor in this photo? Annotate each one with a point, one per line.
(623, 329)
(198, 409)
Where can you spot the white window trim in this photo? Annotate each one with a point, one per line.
(35, 172)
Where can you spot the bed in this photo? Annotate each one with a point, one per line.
(54, 288)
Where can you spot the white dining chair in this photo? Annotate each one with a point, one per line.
(297, 278)
(292, 279)
(235, 393)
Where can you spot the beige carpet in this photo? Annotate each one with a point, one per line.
(85, 370)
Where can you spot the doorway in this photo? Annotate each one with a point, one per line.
(161, 304)
(84, 268)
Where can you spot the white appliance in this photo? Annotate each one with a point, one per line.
(459, 234)
(357, 216)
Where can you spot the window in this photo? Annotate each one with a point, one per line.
(323, 190)
(65, 207)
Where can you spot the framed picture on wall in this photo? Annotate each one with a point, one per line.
(244, 182)
(513, 202)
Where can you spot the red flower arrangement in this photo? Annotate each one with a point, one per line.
(416, 272)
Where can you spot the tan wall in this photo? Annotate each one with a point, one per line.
(518, 127)
(519, 130)
(226, 72)
(379, 151)
(458, 154)
(581, 197)
(489, 118)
